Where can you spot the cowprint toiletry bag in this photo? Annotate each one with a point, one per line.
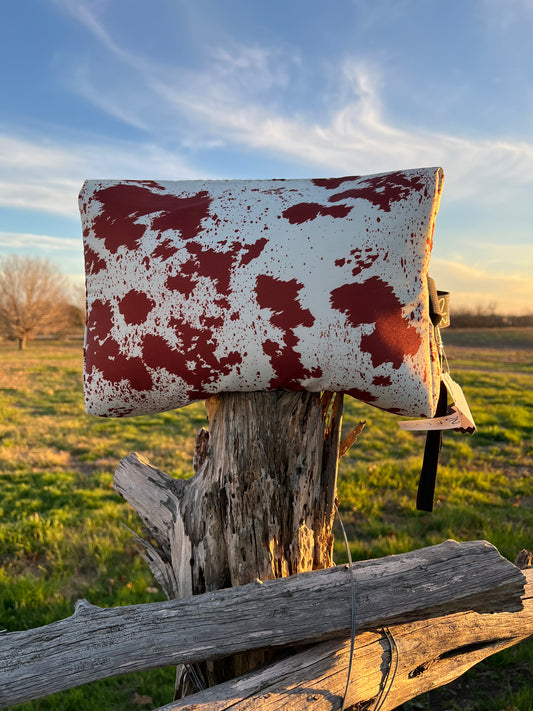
(203, 287)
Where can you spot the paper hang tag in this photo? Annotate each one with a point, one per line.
(459, 399)
(451, 421)
(458, 417)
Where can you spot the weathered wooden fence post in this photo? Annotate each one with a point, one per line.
(260, 505)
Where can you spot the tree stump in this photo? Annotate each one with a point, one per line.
(260, 504)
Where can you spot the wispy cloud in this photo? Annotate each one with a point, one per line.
(87, 14)
(66, 252)
(37, 176)
(508, 257)
(358, 138)
(48, 177)
(238, 65)
(217, 106)
(24, 240)
(237, 98)
(477, 285)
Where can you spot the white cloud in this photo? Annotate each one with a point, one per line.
(47, 197)
(48, 177)
(111, 103)
(358, 139)
(508, 257)
(24, 240)
(477, 285)
(237, 64)
(66, 252)
(87, 15)
(238, 98)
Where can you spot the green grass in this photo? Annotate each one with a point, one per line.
(61, 524)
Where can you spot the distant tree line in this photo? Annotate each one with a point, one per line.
(36, 299)
(487, 317)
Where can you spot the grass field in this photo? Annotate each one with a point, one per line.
(61, 524)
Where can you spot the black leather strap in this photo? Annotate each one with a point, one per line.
(428, 475)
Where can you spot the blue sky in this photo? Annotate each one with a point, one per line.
(179, 89)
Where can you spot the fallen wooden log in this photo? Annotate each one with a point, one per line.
(98, 643)
(397, 664)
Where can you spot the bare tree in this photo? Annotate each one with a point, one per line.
(34, 298)
(78, 306)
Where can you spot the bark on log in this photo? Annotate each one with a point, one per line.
(261, 503)
(423, 655)
(98, 643)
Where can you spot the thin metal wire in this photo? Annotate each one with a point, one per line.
(389, 679)
(194, 677)
(352, 584)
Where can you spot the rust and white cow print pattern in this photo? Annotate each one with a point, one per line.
(202, 287)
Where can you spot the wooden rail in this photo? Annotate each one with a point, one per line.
(393, 665)
(414, 589)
